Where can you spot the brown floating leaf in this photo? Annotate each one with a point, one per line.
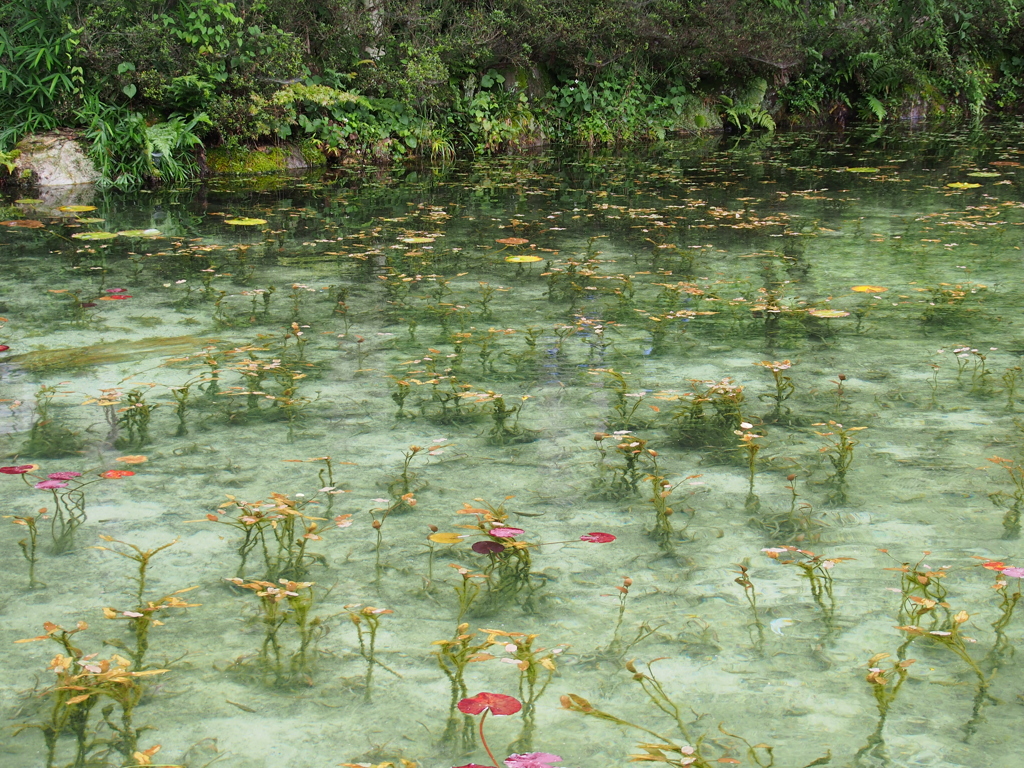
(26, 223)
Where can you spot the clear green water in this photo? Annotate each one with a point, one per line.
(759, 236)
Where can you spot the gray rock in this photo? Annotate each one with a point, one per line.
(54, 160)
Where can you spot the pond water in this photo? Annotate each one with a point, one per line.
(807, 347)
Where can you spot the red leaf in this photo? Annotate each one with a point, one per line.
(596, 537)
(498, 703)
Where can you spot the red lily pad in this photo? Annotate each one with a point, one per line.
(497, 703)
(596, 537)
(488, 547)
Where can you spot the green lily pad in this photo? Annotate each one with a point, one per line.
(28, 201)
(90, 221)
(962, 185)
(245, 222)
(864, 169)
(139, 232)
(77, 208)
(985, 174)
(413, 240)
(94, 236)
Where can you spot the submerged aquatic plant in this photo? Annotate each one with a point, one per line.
(453, 656)
(709, 415)
(370, 616)
(1014, 500)
(536, 670)
(82, 682)
(30, 546)
(67, 491)
(618, 480)
(817, 569)
(49, 437)
(142, 616)
(784, 388)
(280, 531)
(885, 686)
(281, 662)
(840, 454)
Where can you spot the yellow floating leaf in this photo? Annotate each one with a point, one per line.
(94, 235)
(523, 259)
(414, 240)
(962, 185)
(869, 289)
(77, 208)
(244, 222)
(446, 538)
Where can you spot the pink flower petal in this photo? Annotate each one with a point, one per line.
(1017, 573)
(532, 760)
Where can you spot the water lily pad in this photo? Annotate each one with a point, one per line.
(77, 208)
(522, 259)
(139, 232)
(869, 289)
(512, 241)
(94, 235)
(985, 174)
(90, 221)
(827, 314)
(864, 169)
(245, 222)
(962, 185)
(416, 240)
(446, 538)
(25, 223)
(28, 201)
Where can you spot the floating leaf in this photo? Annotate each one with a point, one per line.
(26, 223)
(985, 174)
(864, 169)
(243, 222)
(94, 235)
(90, 221)
(446, 538)
(597, 537)
(827, 313)
(512, 241)
(497, 703)
(77, 208)
(487, 547)
(28, 201)
(523, 259)
(139, 232)
(869, 289)
(417, 240)
(962, 185)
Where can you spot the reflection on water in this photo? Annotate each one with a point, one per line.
(390, 432)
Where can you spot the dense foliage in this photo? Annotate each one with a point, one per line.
(388, 78)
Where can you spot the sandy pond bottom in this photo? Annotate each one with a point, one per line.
(376, 312)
